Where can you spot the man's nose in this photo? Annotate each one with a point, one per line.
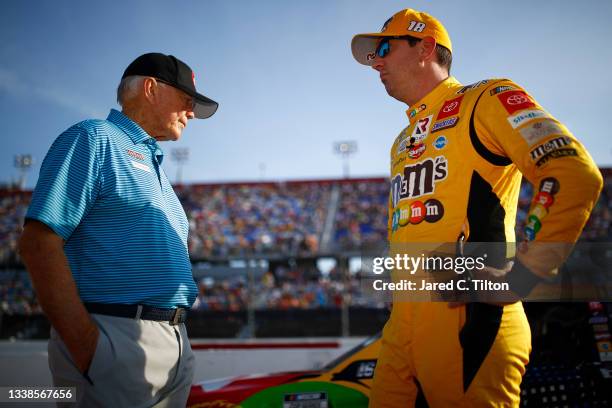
(378, 63)
(190, 114)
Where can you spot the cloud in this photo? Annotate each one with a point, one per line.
(13, 84)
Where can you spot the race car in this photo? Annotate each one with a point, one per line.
(345, 382)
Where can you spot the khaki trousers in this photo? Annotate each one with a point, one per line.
(137, 363)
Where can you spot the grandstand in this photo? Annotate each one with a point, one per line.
(265, 251)
(283, 260)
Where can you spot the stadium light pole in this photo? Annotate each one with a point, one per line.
(345, 149)
(180, 156)
(22, 162)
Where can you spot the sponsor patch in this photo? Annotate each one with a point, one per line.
(450, 108)
(550, 185)
(414, 112)
(402, 145)
(539, 130)
(136, 155)
(434, 210)
(472, 86)
(418, 179)
(542, 201)
(529, 234)
(500, 89)
(401, 218)
(414, 143)
(555, 154)
(416, 151)
(416, 212)
(549, 146)
(445, 124)
(141, 166)
(440, 142)
(421, 130)
(515, 101)
(402, 140)
(545, 199)
(526, 116)
(402, 135)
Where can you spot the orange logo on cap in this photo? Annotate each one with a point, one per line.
(193, 78)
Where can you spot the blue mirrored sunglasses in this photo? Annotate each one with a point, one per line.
(383, 48)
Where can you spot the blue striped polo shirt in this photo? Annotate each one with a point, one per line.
(101, 188)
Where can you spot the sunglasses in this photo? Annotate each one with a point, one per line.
(384, 46)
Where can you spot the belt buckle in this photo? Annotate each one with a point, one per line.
(178, 314)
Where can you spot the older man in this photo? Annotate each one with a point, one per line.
(455, 176)
(105, 243)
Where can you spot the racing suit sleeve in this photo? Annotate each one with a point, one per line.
(511, 125)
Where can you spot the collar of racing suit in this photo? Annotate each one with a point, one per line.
(432, 98)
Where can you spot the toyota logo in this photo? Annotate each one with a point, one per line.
(516, 99)
(450, 107)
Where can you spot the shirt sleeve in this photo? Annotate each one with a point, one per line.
(511, 125)
(68, 183)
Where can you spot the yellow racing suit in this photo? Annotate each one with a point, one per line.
(455, 175)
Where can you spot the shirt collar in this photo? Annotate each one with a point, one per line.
(131, 128)
(432, 98)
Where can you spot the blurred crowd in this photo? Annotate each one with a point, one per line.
(16, 294)
(13, 207)
(287, 288)
(361, 218)
(238, 220)
(272, 219)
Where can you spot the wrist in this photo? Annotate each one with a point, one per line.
(521, 279)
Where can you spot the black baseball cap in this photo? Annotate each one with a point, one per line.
(174, 72)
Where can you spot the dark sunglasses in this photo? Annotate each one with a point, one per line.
(384, 46)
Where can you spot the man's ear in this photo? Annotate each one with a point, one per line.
(428, 49)
(150, 89)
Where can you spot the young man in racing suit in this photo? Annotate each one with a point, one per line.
(455, 176)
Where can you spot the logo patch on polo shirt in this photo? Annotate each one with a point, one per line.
(141, 166)
(135, 155)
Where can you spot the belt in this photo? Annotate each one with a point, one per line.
(144, 312)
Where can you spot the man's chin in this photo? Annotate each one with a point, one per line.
(391, 92)
(170, 136)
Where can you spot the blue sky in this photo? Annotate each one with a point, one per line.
(284, 76)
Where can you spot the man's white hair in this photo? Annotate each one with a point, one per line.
(128, 87)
